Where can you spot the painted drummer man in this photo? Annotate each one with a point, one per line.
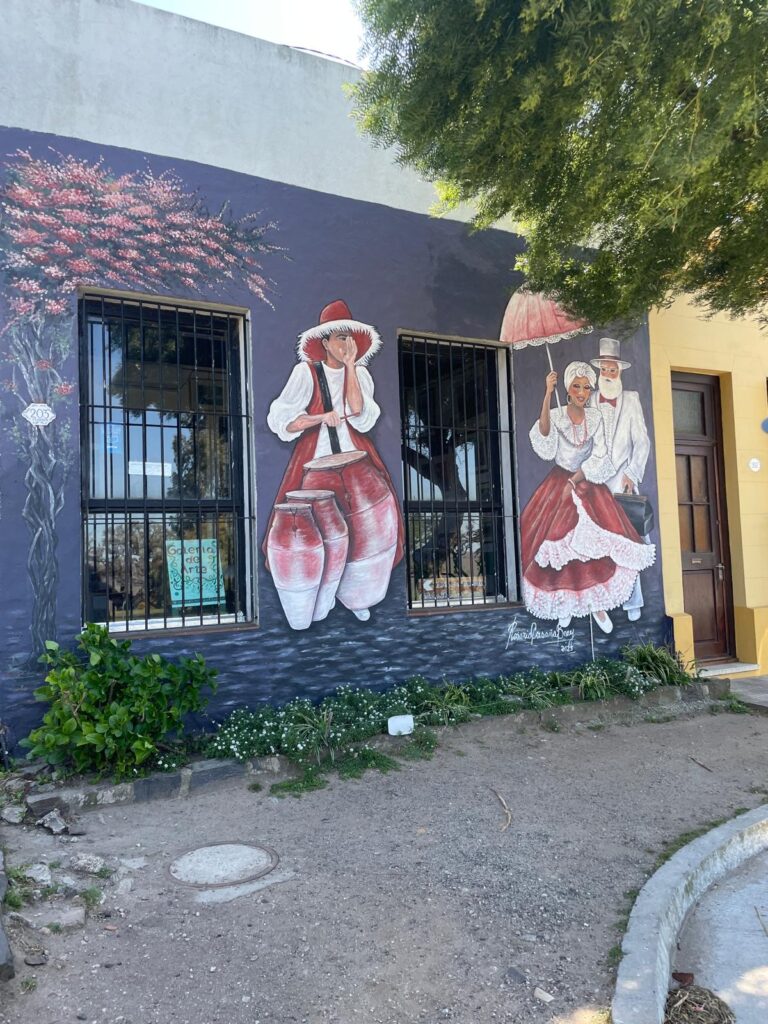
(327, 405)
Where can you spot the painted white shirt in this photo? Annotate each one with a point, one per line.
(575, 446)
(295, 397)
(626, 437)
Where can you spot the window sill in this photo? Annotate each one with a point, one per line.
(452, 609)
(139, 631)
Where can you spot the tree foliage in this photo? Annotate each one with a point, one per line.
(626, 137)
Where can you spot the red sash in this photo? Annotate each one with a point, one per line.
(304, 452)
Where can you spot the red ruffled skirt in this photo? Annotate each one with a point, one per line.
(580, 552)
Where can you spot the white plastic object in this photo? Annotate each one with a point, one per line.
(400, 725)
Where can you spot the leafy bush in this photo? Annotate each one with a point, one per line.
(110, 711)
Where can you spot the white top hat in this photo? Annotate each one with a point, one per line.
(610, 348)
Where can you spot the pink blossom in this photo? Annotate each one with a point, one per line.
(68, 235)
(64, 388)
(27, 236)
(59, 249)
(81, 266)
(30, 286)
(56, 306)
(119, 220)
(43, 364)
(75, 216)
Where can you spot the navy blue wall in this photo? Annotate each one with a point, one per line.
(395, 270)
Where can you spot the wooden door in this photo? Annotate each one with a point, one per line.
(702, 514)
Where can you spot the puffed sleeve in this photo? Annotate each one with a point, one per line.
(370, 412)
(545, 447)
(598, 467)
(291, 402)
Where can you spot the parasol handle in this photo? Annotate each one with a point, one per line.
(552, 370)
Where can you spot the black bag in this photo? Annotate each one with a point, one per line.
(638, 510)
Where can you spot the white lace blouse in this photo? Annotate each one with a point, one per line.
(297, 394)
(575, 446)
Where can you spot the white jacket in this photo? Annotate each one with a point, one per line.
(626, 437)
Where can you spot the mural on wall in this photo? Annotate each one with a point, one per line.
(336, 530)
(584, 531)
(67, 223)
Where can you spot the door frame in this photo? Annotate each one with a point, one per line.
(713, 423)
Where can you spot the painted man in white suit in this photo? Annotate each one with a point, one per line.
(626, 436)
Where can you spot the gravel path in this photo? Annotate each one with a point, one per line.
(408, 901)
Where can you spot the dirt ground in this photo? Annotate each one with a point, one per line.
(403, 899)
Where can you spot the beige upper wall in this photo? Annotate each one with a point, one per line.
(120, 73)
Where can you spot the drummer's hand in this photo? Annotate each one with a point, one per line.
(551, 381)
(350, 351)
(331, 419)
(627, 485)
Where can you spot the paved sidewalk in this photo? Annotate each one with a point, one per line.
(753, 691)
(725, 941)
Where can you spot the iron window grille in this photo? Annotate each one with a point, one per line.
(166, 468)
(457, 466)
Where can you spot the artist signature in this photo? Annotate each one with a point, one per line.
(519, 632)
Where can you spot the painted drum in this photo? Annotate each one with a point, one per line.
(333, 530)
(370, 509)
(296, 559)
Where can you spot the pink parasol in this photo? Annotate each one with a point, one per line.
(533, 319)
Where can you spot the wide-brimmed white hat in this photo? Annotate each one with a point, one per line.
(610, 348)
(336, 316)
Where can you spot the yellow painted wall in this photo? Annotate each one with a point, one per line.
(737, 352)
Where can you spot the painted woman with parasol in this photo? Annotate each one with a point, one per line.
(580, 553)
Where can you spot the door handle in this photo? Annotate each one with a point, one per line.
(720, 570)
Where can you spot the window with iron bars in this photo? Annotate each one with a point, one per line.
(457, 466)
(167, 507)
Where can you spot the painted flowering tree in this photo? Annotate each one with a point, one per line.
(67, 223)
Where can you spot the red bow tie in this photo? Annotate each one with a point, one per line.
(610, 401)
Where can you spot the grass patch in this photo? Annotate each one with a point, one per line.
(55, 927)
(356, 763)
(91, 896)
(613, 956)
(421, 746)
(306, 783)
(255, 787)
(28, 985)
(19, 889)
(671, 846)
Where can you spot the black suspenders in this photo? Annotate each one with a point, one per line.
(325, 395)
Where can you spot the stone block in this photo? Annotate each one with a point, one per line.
(154, 787)
(41, 803)
(718, 688)
(7, 970)
(204, 773)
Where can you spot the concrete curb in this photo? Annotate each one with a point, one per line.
(658, 914)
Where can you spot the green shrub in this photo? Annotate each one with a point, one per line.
(660, 663)
(110, 710)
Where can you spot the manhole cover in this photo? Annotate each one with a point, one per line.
(223, 864)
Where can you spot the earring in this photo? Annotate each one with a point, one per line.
(569, 400)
